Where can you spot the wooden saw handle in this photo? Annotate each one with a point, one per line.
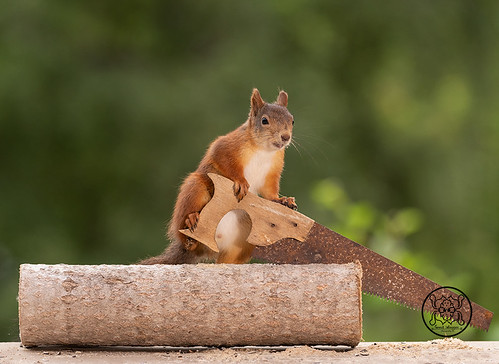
(270, 221)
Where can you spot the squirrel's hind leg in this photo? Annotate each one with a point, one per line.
(194, 194)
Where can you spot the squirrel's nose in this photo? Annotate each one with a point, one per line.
(285, 137)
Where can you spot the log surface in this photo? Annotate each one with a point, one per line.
(188, 305)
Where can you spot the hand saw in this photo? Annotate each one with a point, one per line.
(284, 236)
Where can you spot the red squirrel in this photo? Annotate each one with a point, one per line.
(252, 156)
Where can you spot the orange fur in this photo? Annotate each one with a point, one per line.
(270, 189)
(268, 128)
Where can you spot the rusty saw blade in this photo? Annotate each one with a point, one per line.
(284, 236)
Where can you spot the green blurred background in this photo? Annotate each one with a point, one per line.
(106, 106)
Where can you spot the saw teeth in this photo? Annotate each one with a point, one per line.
(391, 301)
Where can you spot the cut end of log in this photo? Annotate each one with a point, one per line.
(190, 305)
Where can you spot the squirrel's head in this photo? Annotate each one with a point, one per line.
(271, 124)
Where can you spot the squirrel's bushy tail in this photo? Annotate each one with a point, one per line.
(175, 253)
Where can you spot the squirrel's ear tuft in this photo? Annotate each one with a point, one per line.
(256, 102)
(282, 99)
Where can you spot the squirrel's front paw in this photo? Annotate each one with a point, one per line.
(190, 244)
(192, 221)
(287, 201)
(241, 189)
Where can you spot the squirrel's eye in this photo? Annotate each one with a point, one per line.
(293, 122)
(265, 121)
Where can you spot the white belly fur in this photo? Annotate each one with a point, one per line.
(257, 169)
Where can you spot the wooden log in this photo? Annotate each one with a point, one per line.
(189, 305)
